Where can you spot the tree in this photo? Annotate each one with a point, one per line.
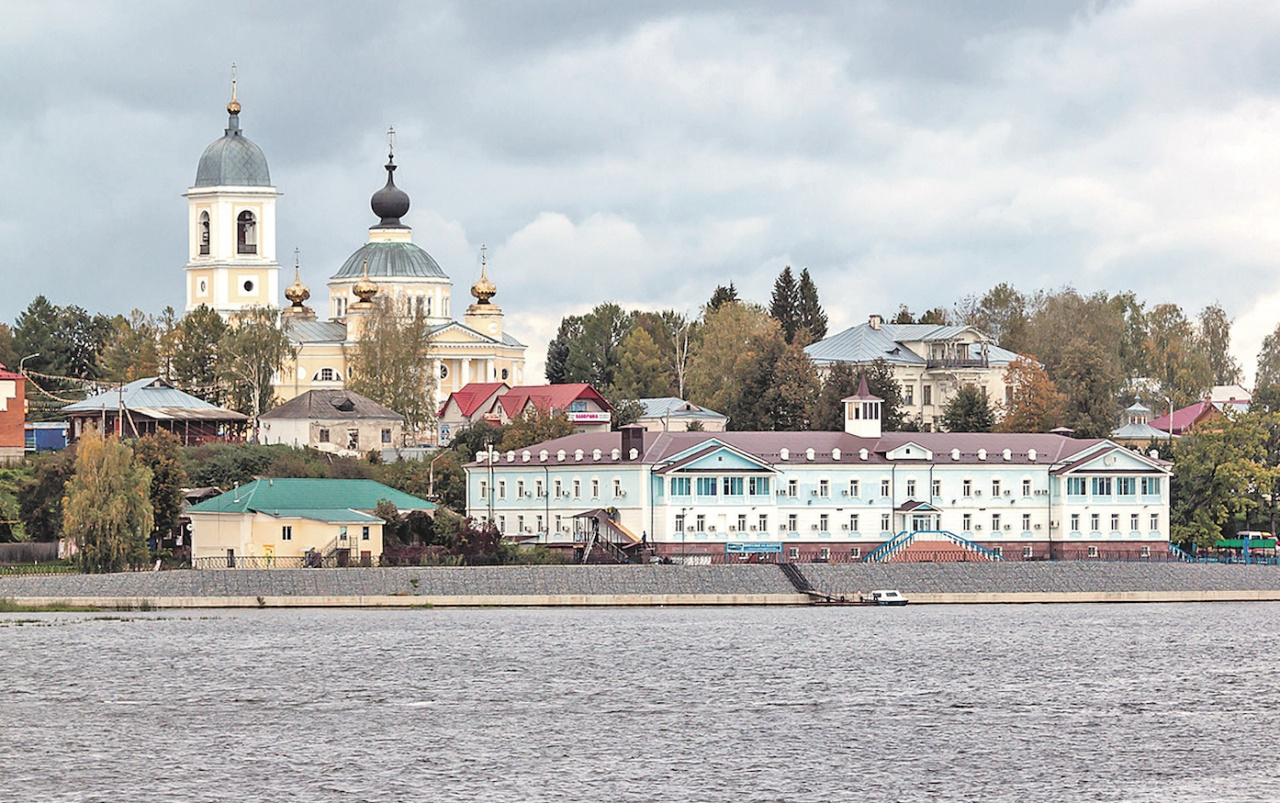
(811, 319)
(733, 364)
(131, 349)
(535, 426)
(641, 372)
(968, 411)
(1216, 469)
(476, 438)
(841, 383)
(1268, 373)
(1215, 340)
(40, 498)
(937, 316)
(108, 509)
(161, 453)
(788, 404)
(881, 383)
(558, 349)
(191, 353)
(904, 316)
(784, 304)
(1035, 405)
(65, 341)
(8, 357)
(722, 295)
(672, 334)
(1002, 313)
(390, 363)
(593, 354)
(250, 354)
(1171, 354)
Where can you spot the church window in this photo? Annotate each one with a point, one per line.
(248, 285)
(246, 234)
(204, 234)
(419, 308)
(325, 375)
(505, 373)
(204, 287)
(444, 371)
(429, 300)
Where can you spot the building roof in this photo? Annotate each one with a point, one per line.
(969, 447)
(7, 374)
(233, 161)
(1184, 418)
(321, 405)
(315, 331)
(864, 343)
(1139, 432)
(672, 407)
(308, 498)
(391, 260)
(547, 398)
(154, 398)
(471, 395)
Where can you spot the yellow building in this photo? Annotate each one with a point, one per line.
(291, 523)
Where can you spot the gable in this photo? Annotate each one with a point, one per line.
(909, 451)
(1115, 460)
(725, 460)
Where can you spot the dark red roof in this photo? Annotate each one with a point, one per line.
(1184, 419)
(471, 395)
(547, 398)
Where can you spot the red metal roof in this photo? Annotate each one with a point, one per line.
(1184, 419)
(549, 397)
(470, 396)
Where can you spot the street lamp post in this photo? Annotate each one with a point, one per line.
(431, 476)
(23, 362)
(1169, 401)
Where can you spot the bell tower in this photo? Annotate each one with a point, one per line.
(231, 212)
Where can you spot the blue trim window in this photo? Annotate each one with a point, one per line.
(733, 486)
(1150, 486)
(1075, 486)
(1126, 486)
(680, 486)
(706, 486)
(1101, 486)
(758, 486)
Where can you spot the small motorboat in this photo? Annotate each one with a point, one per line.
(888, 596)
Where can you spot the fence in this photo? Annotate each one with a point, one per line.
(29, 552)
(312, 561)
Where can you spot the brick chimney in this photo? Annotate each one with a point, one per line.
(874, 321)
(632, 438)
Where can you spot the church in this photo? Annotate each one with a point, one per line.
(233, 267)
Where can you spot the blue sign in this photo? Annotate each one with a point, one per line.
(739, 548)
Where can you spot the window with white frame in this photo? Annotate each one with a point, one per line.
(502, 524)
(1126, 486)
(520, 524)
(762, 522)
(1027, 552)
(855, 488)
(559, 488)
(793, 488)
(1101, 486)
(1026, 522)
(853, 522)
(823, 525)
(1150, 486)
(1145, 551)
(595, 489)
(911, 489)
(998, 550)
(1155, 522)
(1075, 486)
(966, 522)
(995, 521)
(1095, 522)
(539, 529)
(484, 489)
(706, 486)
(537, 489)
(560, 522)
(742, 522)
(1133, 521)
(1026, 487)
(937, 488)
(732, 486)
(824, 488)
(909, 394)
(793, 524)
(1075, 522)
(681, 486)
(700, 522)
(502, 489)
(364, 533)
(824, 554)
(995, 487)
(1115, 522)
(793, 553)
(758, 486)
(617, 487)
(286, 532)
(966, 488)
(1093, 552)
(679, 522)
(519, 489)
(577, 489)
(884, 488)
(885, 523)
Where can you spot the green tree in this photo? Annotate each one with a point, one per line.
(593, 355)
(107, 509)
(1268, 370)
(391, 363)
(881, 383)
(8, 357)
(1215, 340)
(533, 427)
(40, 498)
(1220, 472)
(1035, 405)
(937, 316)
(131, 349)
(191, 354)
(558, 349)
(1002, 313)
(784, 304)
(968, 411)
(722, 295)
(789, 402)
(841, 382)
(161, 453)
(250, 355)
(732, 366)
(904, 316)
(65, 341)
(1172, 355)
(642, 373)
(811, 319)
(476, 438)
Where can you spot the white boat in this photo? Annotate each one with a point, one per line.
(887, 596)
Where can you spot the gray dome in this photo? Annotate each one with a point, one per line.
(233, 161)
(390, 203)
(391, 260)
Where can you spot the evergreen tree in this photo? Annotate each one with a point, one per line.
(904, 316)
(784, 304)
(641, 373)
(722, 295)
(108, 507)
(790, 403)
(729, 369)
(809, 313)
(193, 361)
(968, 411)
(594, 353)
(881, 382)
(1268, 371)
(40, 498)
(841, 383)
(558, 349)
(937, 316)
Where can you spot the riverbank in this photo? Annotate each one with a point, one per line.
(587, 586)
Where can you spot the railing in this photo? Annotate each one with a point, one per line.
(957, 362)
(889, 548)
(314, 561)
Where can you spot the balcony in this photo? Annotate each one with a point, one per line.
(956, 362)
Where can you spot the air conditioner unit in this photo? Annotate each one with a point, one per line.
(753, 528)
(1041, 492)
(689, 529)
(527, 494)
(711, 529)
(782, 492)
(844, 493)
(844, 526)
(813, 493)
(1038, 526)
(977, 493)
(565, 494)
(1053, 524)
(977, 526)
(1008, 526)
(1008, 493)
(813, 527)
(732, 529)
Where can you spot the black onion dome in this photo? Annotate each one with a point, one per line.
(390, 203)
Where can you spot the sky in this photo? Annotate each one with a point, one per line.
(903, 152)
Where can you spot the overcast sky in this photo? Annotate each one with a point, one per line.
(644, 152)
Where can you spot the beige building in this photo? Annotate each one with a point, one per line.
(291, 523)
(339, 422)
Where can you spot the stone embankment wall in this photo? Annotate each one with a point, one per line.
(652, 585)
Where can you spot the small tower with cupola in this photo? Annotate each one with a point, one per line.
(862, 412)
(232, 223)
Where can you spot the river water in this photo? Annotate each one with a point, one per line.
(983, 703)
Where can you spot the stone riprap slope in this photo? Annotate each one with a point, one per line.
(496, 581)
(1037, 577)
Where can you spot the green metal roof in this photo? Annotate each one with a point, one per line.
(1238, 543)
(309, 498)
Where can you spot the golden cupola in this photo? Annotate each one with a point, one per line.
(297, 293)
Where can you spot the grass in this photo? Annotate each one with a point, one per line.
(11, 606)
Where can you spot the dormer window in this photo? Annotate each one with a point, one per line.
(204, 234)
(246, 234)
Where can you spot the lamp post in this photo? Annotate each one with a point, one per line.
(489, 455)
(23, 362)
(431, 476)
(1169, 401)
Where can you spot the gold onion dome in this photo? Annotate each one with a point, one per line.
(365, 289)
(233, 107)
(484, 289)
(297, 292)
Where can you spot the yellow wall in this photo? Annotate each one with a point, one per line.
(249, 534)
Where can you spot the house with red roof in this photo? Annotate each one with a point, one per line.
(499, 403)
(13, 414)
(1186, 418)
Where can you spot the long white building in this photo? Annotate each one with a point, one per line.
(835, 496)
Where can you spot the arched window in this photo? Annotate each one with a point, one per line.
(204, 234)
(325, 375)
(246, 234)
